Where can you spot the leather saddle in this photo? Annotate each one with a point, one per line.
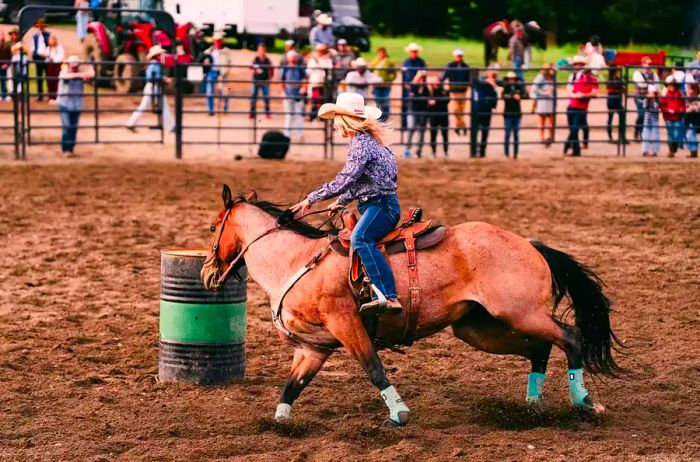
(411, 234)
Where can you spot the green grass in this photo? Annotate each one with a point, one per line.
(438, 51)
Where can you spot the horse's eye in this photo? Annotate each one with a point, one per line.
(212, 229)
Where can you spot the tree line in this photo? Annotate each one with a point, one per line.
(615, 21)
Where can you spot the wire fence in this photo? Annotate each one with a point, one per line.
(469, 111)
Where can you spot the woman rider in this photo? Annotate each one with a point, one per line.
(370, 176)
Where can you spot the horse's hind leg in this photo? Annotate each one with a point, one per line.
(305, 365)
(486, 333)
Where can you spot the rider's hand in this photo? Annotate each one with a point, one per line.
(301, 207)
(334, 207)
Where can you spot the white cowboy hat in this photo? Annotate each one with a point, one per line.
(350, 104)
(578, 59)
(73, 60)
(155, 51)
(359, 62)
(458, 52)
(413, 46)
(324, 20)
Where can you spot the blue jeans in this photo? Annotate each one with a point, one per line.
(639, 124)
(576, 119)
(650, 138)
(512, 125)
(265, 87)
(3, 83)
(691, 137)
(210, 90)
(381, 97)
(69, 122)
(675, 131)
(378, 217)
(518, 65)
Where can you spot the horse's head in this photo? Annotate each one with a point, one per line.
(224, 252)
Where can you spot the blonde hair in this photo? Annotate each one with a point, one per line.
(378, 130)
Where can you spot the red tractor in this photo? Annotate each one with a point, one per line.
(123, 39)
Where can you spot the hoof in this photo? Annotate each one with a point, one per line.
(403, 420)
(534, 405)
(283, 414)
(280, 419)
(590, 406)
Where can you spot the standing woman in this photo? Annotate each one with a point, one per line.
(70, 101)
(54, 60)
(543, 93)
(370, 176)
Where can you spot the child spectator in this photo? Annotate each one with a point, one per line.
(438, 101)
(54, 60)
(650, 129)
(543, 92)
(673, 108)
(262, 74)
(513, 93)
(418, 113)
(614, 88)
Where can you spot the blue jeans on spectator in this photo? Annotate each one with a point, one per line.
(265, 88)
(650, 139)
(210, 81)
(675, 132)
(518, 65)
(639, 124)
(381, 97)
(576, 119)
(512, 126)
(3, 83)
(378, 217)
(691, 137)
(69, 122)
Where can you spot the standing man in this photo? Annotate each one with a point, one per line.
(513, 94)
(457, 76)
(40, 42)
(384, 68)
(5, 58)
(642, 78)
(359, 80)
(409, 68)
(484, 102)
(342, 61)
(289, 45)
(70, 101)
(262, 74)
(211, 79)
(153, 92)
(583, 86)
(322, 33)
(293, 89)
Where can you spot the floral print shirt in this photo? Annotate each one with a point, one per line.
(370, 171)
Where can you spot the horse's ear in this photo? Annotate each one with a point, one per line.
(226, 196)
(251, 196)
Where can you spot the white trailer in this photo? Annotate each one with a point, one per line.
(247, 20)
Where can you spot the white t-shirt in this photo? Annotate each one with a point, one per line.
(359, 83)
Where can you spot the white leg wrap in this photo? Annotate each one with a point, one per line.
(283, 412)
(394, 402)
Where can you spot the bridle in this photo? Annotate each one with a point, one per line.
(213, 259)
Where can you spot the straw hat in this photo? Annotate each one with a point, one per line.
(359, 62)
(511, 75)
(349, 104)
(413, 46)
(155, 51)
(324, 20)
(578, 59)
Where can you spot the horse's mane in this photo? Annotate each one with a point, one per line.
(285, 220)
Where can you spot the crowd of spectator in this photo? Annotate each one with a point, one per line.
(307, 81)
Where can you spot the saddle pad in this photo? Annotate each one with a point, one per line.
(430, 238)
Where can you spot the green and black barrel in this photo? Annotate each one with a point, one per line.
(202, 332)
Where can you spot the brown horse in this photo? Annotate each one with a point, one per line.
(496, 289)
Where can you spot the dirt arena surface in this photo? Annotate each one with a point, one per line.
(79, 277)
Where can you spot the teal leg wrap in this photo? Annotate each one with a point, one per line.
(577, 391)
(535, 385)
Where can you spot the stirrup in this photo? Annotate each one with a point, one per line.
(379, 306)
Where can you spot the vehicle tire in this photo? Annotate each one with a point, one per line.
(125, 69)
(13, 9)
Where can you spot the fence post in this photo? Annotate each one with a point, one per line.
(472, 121)
(96, 104)
(178, 109)
(16, 116)
(623, 117)
(24, 105)
(554, 106)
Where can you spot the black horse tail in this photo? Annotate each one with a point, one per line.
(591, 308)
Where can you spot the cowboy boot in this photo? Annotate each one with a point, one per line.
(386, 306)
(693, 154)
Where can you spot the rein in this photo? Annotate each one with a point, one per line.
(215, 249)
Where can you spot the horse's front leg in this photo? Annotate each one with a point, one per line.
(305, 365)
(347, 327)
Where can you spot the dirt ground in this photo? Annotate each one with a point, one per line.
(79, 277)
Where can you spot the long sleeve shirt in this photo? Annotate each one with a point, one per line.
(457, 74)
(410, 67)
(370, 171)
(321, 35)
